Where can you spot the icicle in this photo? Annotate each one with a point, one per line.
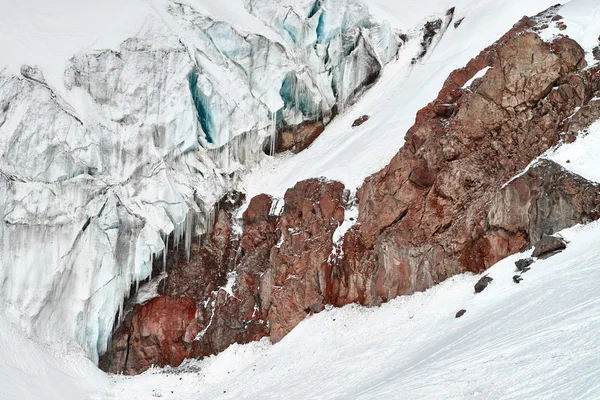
(189, 222)
(121, 308)
(165, 251)
(340, 83)
(273, 133)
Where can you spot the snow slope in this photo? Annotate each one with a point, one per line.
(581, 156)
(538, 339)
(350, 154)
(32, 370)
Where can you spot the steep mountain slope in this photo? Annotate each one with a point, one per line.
(105, 168)
(439, 208)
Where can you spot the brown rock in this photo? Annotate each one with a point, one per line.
(548, 245)
(458, 22)
(296, 139)
(159, 332)
(483, 283)
(359, 121)
(523, 265)
(596, 52)
(313, 211)
(460, 313)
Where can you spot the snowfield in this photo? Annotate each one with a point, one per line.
(33, 370)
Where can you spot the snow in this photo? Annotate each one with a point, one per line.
(479, 74)
(33, 370)
(537, 339)
(581, 156)
(581, 18)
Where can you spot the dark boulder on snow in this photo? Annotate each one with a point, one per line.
(548, 246)
(461, 313)
(359, 121)
(517, 278)
(523, 264)
(483, 283)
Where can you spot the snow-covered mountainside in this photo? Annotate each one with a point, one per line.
(132, 162)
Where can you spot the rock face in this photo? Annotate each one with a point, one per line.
(299, 138)
(439, 208)
(160, 332)
(444, 205)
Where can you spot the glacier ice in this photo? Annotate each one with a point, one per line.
(95, 181)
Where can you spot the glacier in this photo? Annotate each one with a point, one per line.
(127, 153)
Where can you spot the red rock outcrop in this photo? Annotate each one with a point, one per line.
(442, 206)
(300, 271)
(298, 138)
(160, 332)
(422, 215)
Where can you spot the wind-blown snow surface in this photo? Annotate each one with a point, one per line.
(537, 339)
(581, 156)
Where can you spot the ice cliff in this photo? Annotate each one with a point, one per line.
(129, 153)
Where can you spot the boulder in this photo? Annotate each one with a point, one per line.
(548, 245)
(483, 283)
(298, 138)
(460, 313)
(359, 121)
(523, 264)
